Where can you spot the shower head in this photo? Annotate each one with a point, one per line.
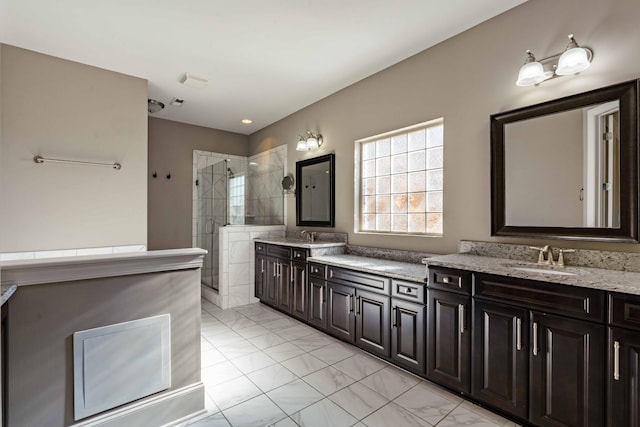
(231, 175)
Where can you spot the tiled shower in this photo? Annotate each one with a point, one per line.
(233, 191)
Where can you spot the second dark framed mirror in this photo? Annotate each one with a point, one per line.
(568, 168)
(315, 191)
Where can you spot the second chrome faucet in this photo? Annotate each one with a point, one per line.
(545, 255)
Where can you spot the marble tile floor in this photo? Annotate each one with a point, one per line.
(263, 368)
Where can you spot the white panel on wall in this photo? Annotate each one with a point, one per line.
(117, 364)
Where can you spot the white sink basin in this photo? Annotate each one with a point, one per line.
(544, 271)
(540, 269)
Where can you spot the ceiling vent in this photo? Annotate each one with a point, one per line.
(189, 79)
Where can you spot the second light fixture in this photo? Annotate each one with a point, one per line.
(573, 60)
(309, 142)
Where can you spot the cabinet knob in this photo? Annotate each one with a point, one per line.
(445, 280)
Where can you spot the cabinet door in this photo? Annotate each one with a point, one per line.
(283, 285)
(261, 275)
(299, 304)
(449, 340)
(372, 322)
(269, 289)
(501, 357)
(317, 302)
(407, 335)
(624, 378)
(567, 382)
(341, 319)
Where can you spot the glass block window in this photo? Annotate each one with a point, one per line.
(236, 200)
(399, 181)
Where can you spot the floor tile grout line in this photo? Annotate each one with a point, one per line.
(295, 324)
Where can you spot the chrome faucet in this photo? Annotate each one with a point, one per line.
(545, 250)
(548, 251)
(311, 235)
(560, 262)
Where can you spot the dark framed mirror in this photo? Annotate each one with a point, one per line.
(568, 168)
(315, 191)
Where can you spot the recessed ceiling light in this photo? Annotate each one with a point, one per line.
(247, 121)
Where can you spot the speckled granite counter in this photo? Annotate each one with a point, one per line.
(317, 248)
(595, 278)
(393, 269)
(300, 243)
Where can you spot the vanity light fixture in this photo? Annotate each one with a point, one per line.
(573, 60)
(311, 142)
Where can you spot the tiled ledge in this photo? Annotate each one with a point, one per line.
(54, 270)
(106, 250)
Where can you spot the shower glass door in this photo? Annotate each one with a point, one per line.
(211, 208)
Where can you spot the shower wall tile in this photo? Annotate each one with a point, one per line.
(239, 251)
(239, 296)
(239, 274)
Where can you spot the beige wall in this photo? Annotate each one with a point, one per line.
(61, 109)
(464, 79)
(171, 146)
(43, 319)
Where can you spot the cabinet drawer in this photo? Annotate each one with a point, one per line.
(358, 279)
(299, 254)
(410, 291)
(261, 248)
(564, 300)
(279, 251)
(450, 280)
(624, 310)
(317, 270)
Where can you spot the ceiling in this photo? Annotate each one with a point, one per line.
(263, 59)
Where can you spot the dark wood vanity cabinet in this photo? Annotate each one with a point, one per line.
(623, 373)
(372, 322)
(567, 372)
(408, 325)
(448, 335)
(546, 335)
(341, 318)
(299, 292)
(501, 357)
(358, 309)
(281, 282)
(317, 296)
(449, 340)
(261, 275)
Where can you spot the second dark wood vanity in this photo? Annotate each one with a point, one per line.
(542, 353)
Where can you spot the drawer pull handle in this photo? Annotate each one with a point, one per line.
(448, 281)
(275, 269)
(351, 303)
(358, 302)
(518, 334)
(262, 266)
(405, 290)
(616, 360)
(535, 338)
(461, 317)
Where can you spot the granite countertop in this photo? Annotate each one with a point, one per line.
(393, 269)
(586, 277)
(299, 243)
